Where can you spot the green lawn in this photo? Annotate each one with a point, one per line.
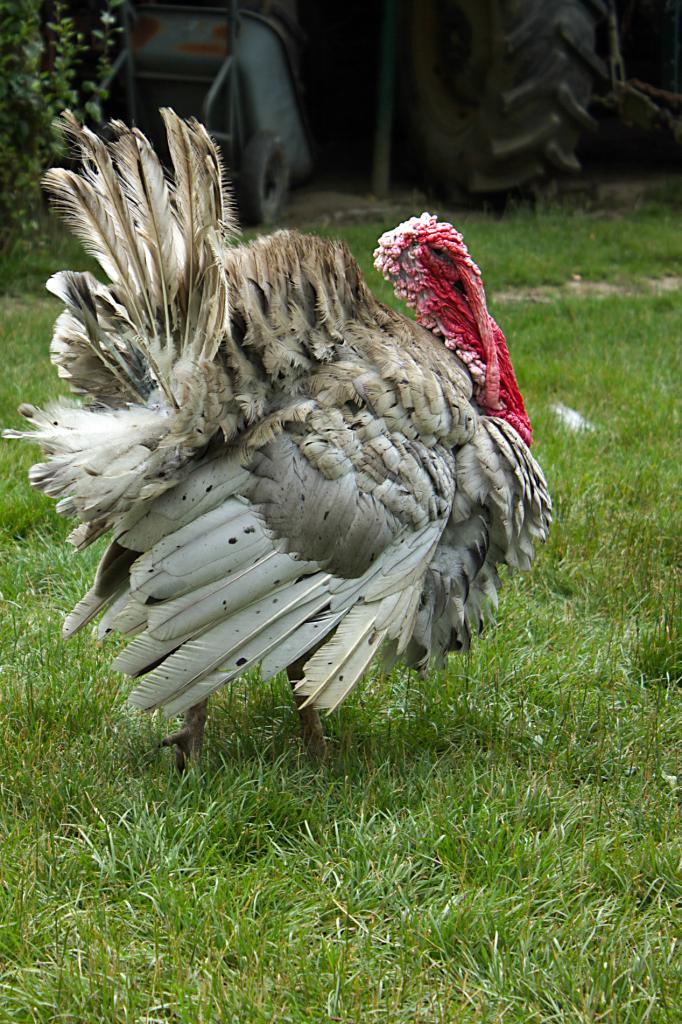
(500, 842)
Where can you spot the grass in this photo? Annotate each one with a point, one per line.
(500, 842)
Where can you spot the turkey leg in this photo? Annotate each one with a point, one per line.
(189, 740)
(311, 726)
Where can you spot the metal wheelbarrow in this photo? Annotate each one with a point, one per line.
(231, 68)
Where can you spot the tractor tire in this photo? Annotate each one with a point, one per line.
(263, 179)
(496, 91)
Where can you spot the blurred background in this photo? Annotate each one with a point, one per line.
(325, 110)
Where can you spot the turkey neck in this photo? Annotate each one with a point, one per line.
(451, 315)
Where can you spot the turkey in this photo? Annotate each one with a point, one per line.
(291, 474)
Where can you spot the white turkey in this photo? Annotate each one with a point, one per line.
(292, 475)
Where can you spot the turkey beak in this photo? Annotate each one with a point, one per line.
(476, 297)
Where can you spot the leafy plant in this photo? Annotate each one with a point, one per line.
(31, 97)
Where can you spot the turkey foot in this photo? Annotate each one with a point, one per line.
(311, 725)
(189, 740)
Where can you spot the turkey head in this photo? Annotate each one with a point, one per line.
(429, 266)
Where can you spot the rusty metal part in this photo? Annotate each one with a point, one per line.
(646, 107)
(671, 100)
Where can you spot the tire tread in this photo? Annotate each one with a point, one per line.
(534, 105)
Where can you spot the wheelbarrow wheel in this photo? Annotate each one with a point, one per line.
(263, 179)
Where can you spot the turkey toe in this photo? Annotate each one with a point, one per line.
(312, 731)
(189, 740)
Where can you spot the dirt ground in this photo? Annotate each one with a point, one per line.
(611, 193)
(589, 289)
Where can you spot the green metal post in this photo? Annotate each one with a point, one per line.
(381, 163)
(672, 43)
(131, 95)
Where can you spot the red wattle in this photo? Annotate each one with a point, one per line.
(465, 319)
(510, 396)
(457, 320)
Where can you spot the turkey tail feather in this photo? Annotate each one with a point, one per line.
(144, 345)
(157, 240)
